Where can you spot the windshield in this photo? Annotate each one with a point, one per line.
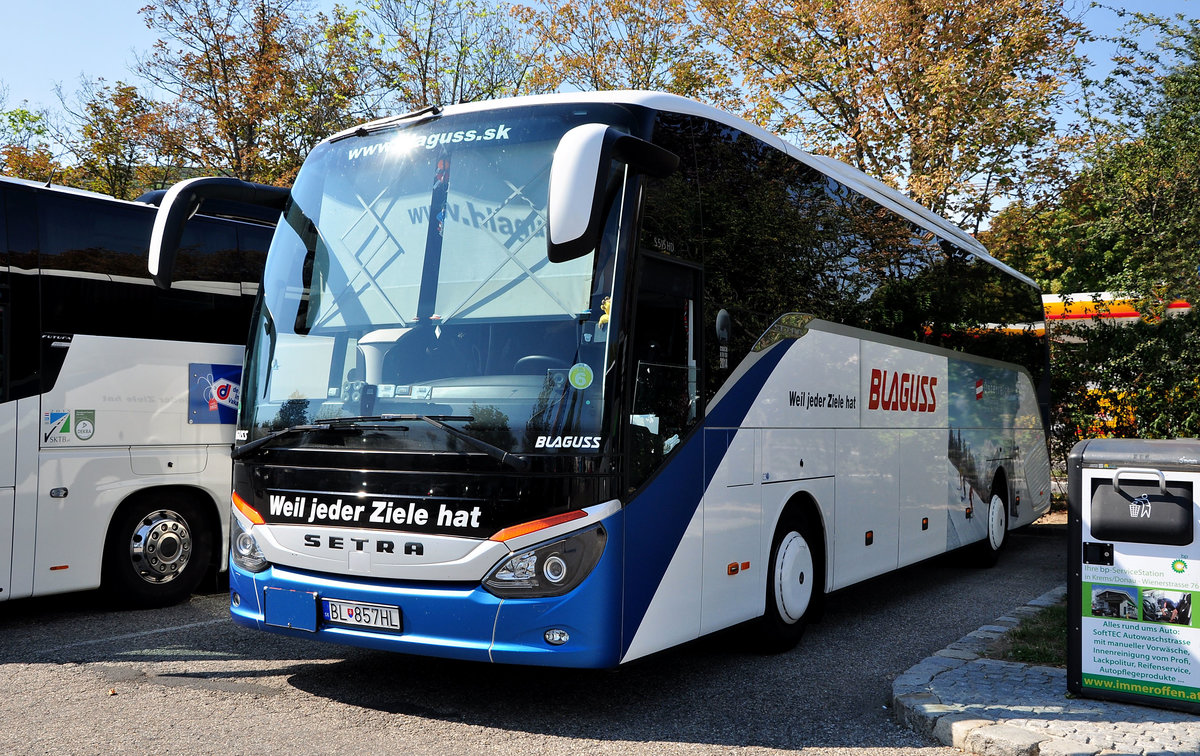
(409, 276)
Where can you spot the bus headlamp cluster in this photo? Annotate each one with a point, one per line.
(244, 549)
(548, 569)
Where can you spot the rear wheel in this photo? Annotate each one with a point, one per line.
(795, 584)
(987, 551)
(157, 551)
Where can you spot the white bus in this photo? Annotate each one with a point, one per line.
(117, 399)
(568, 380)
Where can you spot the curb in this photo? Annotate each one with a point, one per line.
(990, 707)
(915, 706)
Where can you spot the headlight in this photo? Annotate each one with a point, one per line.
(549, 569)
(244, 549)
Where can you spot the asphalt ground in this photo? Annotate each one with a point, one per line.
(80, 678)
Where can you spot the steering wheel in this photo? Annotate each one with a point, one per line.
(537, 363)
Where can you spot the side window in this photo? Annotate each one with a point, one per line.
(670, 215)
(254, 241)
(5, 308)
(91, 253)
(89, 236)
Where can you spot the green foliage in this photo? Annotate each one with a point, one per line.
(1138, 380)
(1129, 220)
(24, 144)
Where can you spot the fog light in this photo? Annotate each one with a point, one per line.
(235, 598)
(557, 636)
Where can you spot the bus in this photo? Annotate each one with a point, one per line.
(571, 379)
(1085, 309)
(117, 399)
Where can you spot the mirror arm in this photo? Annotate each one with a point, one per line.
(183, 200)
(645, 157)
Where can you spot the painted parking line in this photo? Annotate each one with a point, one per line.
(141, 634)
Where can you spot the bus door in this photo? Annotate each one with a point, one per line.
(662, 359)
(664, 353)
(20, 387)
(8, 420)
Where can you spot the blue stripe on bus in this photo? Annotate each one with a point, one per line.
(657, 518)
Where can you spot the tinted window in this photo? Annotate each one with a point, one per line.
(776, 236)
(22, 335)
(94, 280)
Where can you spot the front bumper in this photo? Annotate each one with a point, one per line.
(448, 620)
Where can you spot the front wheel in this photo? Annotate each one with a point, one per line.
(157, 551)
(795, 585)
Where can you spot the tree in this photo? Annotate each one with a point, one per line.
(621, 44)
(237, 70)
(1128, 220)
(328, 85)
(441, 52)
(952, 100)
(119, 141)
(1127, 381)
(24, 145)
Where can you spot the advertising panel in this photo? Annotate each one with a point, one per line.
(1135, 558)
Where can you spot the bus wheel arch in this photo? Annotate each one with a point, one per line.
(160, 544)
(795, 580)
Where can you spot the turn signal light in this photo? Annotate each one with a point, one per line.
(250, 512)
(526, 528)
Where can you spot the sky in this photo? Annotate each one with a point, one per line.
(49, 42)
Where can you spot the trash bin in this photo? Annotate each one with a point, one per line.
(1134, 570)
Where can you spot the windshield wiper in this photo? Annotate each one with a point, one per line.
(515, 461)
(336, 422)
(370, 128)
(250, 446)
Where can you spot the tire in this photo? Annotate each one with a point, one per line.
(795, 584)
(158, 550)
(987, 551)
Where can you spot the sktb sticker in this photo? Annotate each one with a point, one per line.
(60, 426)
(56, 427)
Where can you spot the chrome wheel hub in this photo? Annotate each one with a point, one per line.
(160, 547)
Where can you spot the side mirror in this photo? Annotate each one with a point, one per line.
(183, 200)
(724, 326)
(579, 183)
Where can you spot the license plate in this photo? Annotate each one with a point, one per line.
(359, 614)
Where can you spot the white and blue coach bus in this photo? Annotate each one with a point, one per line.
(117, 400)
(567, 380)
